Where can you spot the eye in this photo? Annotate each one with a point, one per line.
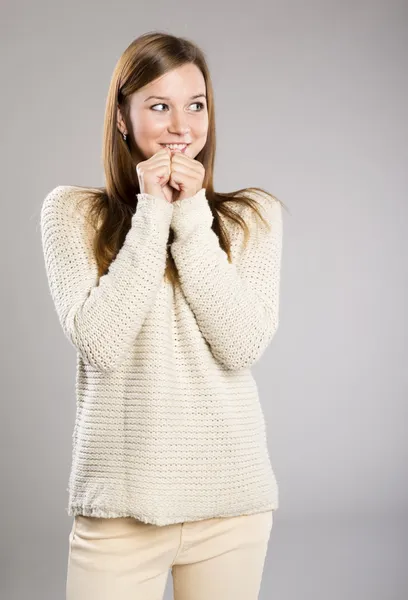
(160, 104)
(201, 104)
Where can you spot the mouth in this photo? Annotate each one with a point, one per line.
(176, 147)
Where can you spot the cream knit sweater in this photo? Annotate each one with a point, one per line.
(168, 426)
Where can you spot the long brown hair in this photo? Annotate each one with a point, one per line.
(148, 57)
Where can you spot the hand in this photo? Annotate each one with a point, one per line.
(154, 174)
(187, 175)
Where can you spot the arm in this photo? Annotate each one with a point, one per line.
(102, 318)
(236, 305)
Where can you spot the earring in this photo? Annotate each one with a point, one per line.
(124, 136)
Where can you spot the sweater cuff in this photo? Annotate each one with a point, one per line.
(156, 203)
(190, 213)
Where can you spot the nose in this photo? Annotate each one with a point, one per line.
(179, 123)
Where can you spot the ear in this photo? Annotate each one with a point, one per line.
(120, 121)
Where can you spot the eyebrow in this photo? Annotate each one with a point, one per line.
(165, 98)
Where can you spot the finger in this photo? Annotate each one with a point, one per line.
(161, 154)
(182, 180)
(179, 159)
(185, 169)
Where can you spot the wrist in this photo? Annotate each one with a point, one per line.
(190, 213)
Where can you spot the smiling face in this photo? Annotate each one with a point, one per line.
(171, 109)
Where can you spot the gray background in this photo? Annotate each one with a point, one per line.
(311, 103)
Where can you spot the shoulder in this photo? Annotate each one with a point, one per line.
(270, 207)
(262, 215)
(60, 194)
(62, 202)
(262, 202)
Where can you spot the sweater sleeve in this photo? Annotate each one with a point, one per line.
(103, 316)
(236, 305)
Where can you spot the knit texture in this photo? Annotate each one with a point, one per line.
(169, 427)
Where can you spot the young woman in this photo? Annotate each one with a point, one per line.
(169, 292)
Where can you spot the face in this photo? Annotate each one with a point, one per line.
(171, 109)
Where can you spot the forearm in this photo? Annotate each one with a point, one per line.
(102, 317)
(236, 305)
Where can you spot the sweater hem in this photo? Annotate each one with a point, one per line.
(89, 510)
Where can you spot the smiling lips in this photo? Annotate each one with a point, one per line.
(175, 147)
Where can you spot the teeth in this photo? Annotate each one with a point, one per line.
(175, 146)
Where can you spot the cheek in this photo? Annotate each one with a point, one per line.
(146, 125)
(200, 127)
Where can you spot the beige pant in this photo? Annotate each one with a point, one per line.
(126, 559)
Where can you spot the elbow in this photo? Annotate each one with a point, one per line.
(95, 355)
(100, 361)
(94, 349)
(246, 354)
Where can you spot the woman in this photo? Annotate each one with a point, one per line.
(169, 292)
